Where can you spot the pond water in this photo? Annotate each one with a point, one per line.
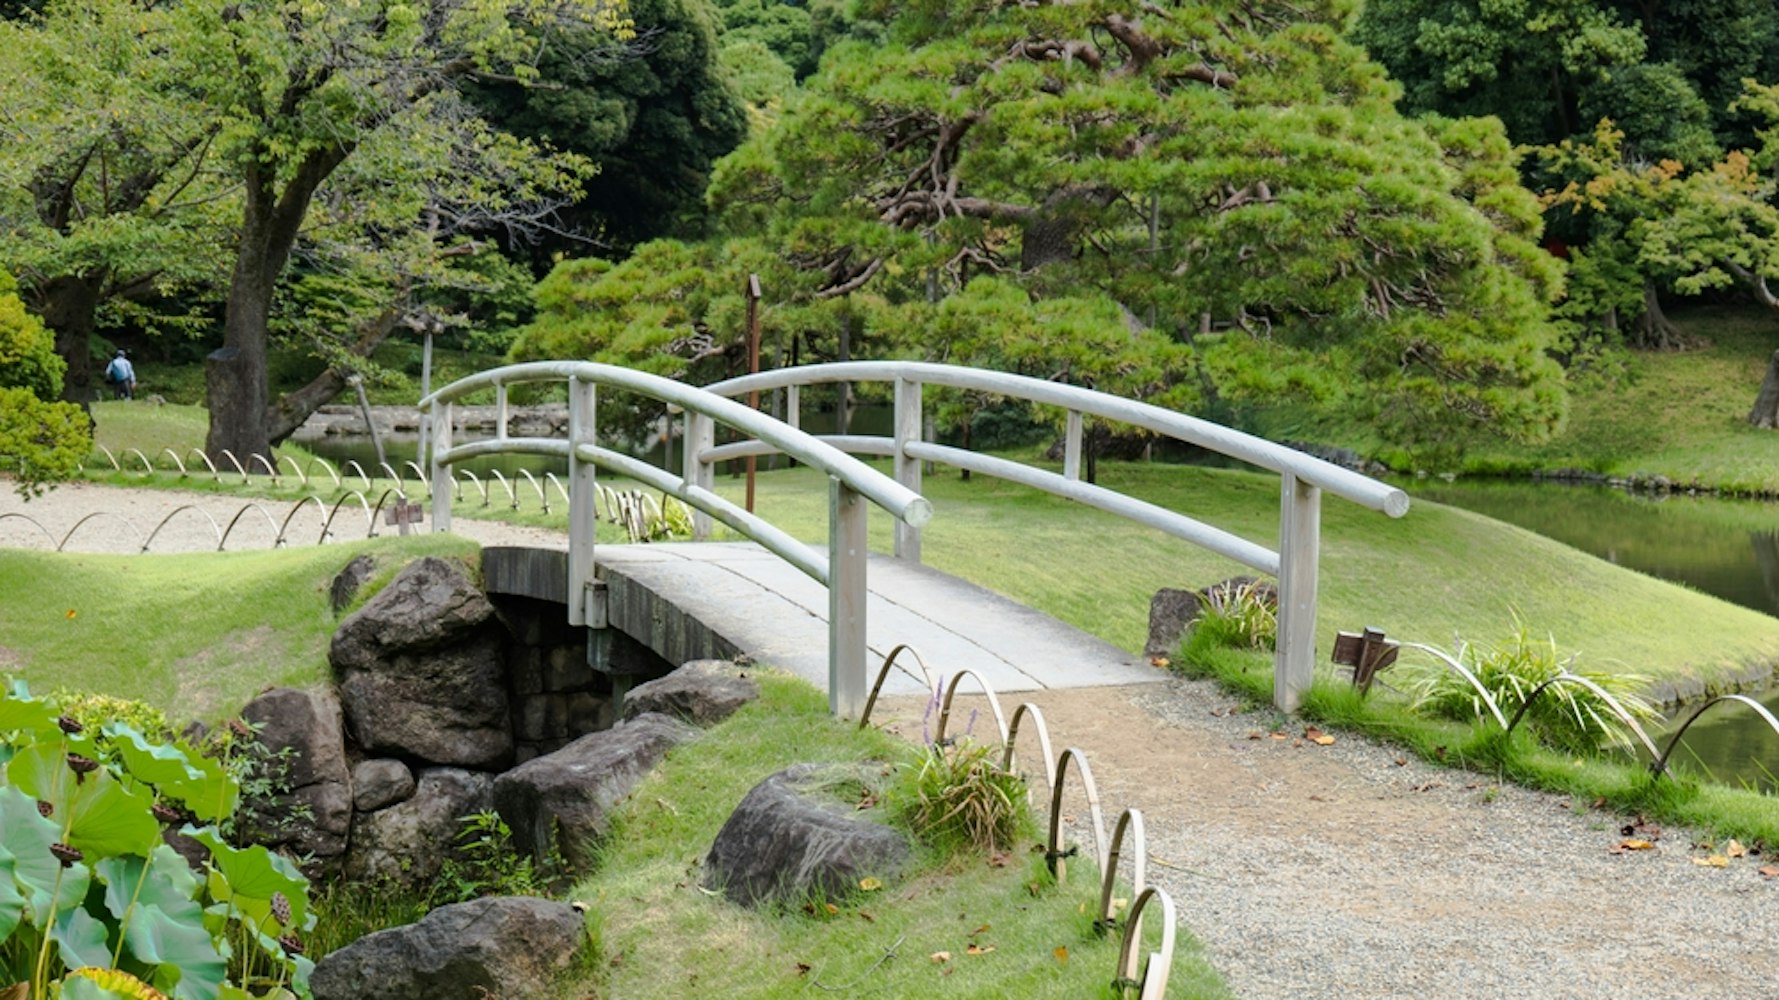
(1726, 548)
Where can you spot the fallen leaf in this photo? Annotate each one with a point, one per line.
(1632, 844)
(1033, 888)
(1322, 740)
(1429, 786)
(1735, 849)
(979, 931)
(866, 914)
(981, 949)
(1402, 762)
(1062, 954)
(997, 859)
(870, 884)
(831, 908)
(1158, 661)
(1712, 861)
(1278, 736)
(940, 956)
(1769, 871)
(72, 613)
(1254, 734)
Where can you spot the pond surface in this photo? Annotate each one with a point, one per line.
(1726, 548)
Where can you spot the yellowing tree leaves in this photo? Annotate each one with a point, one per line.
(1712, 861)
(870, 884)
(940, 957)
(1062, 954)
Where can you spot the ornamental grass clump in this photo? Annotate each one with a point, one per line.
(1241, 617)
(957, 799)
(1566, 715)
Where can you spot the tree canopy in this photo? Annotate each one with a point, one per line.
(1231, 181)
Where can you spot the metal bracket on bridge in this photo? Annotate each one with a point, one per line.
(1367, 653)
(595, 602)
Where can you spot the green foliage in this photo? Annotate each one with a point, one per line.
(1243, 617)
(491, 864)
(1232, 208)
(958, 800)
(42, 440)
(89, 882)
(1570, 716)
(27, 351)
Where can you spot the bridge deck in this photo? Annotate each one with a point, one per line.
(772, 612)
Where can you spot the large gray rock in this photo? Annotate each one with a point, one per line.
(379, 783)
(703, 692)
(310, 809)
(508, 947)
(350, 581)
(407, 843)
(789, 840)
(422, 672)
(560, 801)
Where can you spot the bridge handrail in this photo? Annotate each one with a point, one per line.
(903, 503)
(1341, 482)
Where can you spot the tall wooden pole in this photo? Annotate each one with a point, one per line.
(753, 366)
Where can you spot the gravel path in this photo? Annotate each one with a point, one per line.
(1347, 870)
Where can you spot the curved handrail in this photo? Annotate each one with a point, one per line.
(905, 504)
(98, 514)
(883, 672)
(34, 523)
(1597, 691)
(1660, 766)
(214, 527)
(994, 705)
(178, 463)
(1341, 482)
(226, 532)
(1129, 821)
(370, 519)
(1053, 857)
(280, 541)
(1152, 985)
(215, 476)
(1451, 662)
(1007, 759)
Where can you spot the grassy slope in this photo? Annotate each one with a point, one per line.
(646, 893)
(195, 635)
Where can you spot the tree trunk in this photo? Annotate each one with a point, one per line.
(1766, 404)
(291, 409)
(1653, 329)
(68, 306)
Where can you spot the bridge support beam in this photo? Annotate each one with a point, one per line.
(1300, 526)
(583, 498)
(847, 666)
(908, 428)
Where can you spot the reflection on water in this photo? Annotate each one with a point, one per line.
(1726, 548)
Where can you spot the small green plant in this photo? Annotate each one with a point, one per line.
(87, 881)
(489, 866)
(1241, 617)
(1568, 716)
(958, 799)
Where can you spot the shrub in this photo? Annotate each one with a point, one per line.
(1243, 617)
(957, 799)
(1568, 716)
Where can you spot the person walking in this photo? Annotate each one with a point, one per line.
(122, 376)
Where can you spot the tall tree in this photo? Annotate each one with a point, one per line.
(1232, 178)
(300, 89)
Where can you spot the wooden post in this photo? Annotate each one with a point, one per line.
(583, 497)
(441, 473)
(753, 368)
(908, 428)
(701, 434)
(1300, 525)
(847, 669)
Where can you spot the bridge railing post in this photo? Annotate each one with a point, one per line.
(440, 433)
(908, 428)
(583, 497)
(847, 666)
(1071, 447)
(701, 436)
(1300, 526)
